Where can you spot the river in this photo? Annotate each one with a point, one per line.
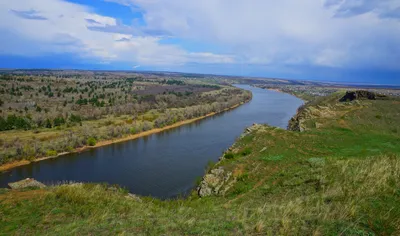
(166, 164)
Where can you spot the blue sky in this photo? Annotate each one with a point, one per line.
(328, 40)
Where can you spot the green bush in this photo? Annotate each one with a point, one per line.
(246, 152)
(59, 121)
(243, 177)
(15, 122)
(133, 130)
(51, 153)
(91, 141)
(241, 187)
(75, 118)
(229, 155)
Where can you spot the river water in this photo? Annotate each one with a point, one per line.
(166, 164)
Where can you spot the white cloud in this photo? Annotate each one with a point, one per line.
(36, 27)
(334, 33)
(330, 57)
(266, 32)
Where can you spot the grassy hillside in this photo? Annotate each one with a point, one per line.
(341, 175)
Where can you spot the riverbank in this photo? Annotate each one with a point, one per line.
(292, 170)
(301, 96)
(305, 99)
(101, 143)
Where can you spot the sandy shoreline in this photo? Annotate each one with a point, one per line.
(12, 165)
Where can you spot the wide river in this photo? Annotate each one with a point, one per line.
(166, 164)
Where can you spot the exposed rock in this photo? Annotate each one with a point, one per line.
(296, 122)
(26, 183)
(134, 197)
(251, 129)
(215, 183)
(361, 94)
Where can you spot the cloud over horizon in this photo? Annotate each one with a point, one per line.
(267, 36)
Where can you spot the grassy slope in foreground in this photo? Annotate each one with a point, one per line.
(339, 176)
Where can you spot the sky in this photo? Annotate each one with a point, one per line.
(325, 40)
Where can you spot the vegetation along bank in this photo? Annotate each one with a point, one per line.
(48, 115)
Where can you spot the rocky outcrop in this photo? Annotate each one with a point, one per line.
(251, 129)
(26, 183)
(361, 95)
(217, 182)
(134, 197)
(296, 122)
(325, 108)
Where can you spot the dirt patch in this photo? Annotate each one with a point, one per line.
(239, 171)
(343, 124)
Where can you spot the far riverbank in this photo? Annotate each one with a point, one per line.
(101, 143)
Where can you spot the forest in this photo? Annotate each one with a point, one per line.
(44, 114)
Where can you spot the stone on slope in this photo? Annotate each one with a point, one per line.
(26, 183)
(215, 183)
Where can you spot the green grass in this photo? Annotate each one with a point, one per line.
(340, 178)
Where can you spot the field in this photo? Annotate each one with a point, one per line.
(308, 91)
(339, 176)
(45, 113)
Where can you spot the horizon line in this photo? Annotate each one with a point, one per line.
(197, 73)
